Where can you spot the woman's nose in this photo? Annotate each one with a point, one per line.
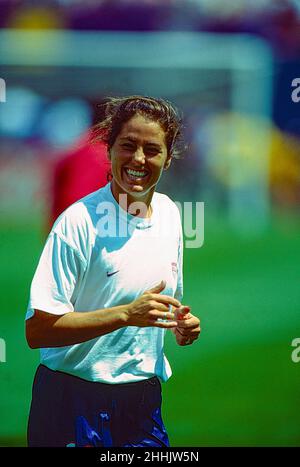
(139, 155)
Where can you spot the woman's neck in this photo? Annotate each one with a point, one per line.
(135, 205)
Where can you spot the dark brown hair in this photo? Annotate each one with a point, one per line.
(118, 110)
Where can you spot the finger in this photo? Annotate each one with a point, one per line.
(189, 323)
(157, 288)
(182, 312)
(184, 324)
(183, 333)
(183, 342)
(163, 324)
(179, 315)
(186, 339)
(161, 307)
(156, 314)
(165, 299)
(193, 334)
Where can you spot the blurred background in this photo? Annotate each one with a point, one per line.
(229, 67)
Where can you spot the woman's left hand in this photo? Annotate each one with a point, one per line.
(187, 330)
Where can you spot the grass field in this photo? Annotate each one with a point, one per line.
(237, 385)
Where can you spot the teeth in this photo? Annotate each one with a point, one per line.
(136, 173)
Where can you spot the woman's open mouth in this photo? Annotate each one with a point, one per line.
(135, 175)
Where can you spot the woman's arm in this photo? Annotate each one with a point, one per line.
(48, 330)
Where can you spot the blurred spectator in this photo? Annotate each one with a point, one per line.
(78, 171)
(285, 169)
(6, 9)
(36, 17)
(120, 16)
(277, 21)
(22, 111)
(64, 121)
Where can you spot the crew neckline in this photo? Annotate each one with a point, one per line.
(138, 222)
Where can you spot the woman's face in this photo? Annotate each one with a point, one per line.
(138, 157)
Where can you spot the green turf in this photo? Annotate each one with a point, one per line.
(237, 385)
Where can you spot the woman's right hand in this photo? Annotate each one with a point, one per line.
(151, 306)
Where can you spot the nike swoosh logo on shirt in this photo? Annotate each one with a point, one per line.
(111, 273)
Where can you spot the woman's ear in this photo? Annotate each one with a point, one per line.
(168, 162)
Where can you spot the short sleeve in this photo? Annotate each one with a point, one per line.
(53, 288)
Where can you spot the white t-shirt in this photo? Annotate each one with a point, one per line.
(89, 262)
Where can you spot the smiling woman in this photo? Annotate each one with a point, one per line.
(96, 309)
(138, 157)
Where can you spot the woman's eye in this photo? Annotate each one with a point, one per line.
(151, 151)
(128, 147)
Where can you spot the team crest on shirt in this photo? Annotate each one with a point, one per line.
(174, 269)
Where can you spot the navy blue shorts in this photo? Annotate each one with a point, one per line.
(69, 411)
